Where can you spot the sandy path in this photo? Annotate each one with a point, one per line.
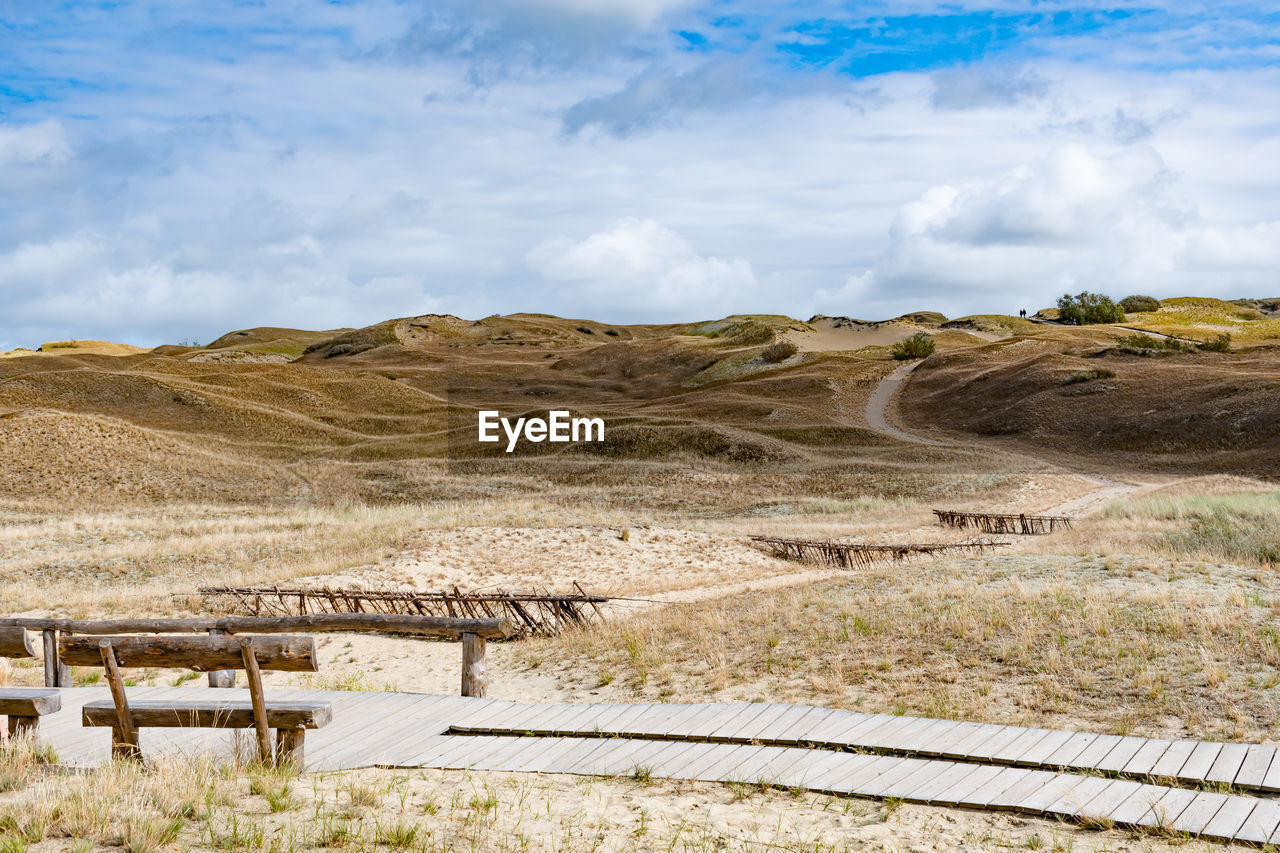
(881, 401)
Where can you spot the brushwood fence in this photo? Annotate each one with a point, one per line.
(847, 555)
(1001, 523)
(541, 614)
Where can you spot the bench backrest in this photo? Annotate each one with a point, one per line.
(15, 642)
(200, 653)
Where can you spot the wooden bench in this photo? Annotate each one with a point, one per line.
(24, 706)
(202, 654)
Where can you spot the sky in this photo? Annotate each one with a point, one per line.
(172, 171)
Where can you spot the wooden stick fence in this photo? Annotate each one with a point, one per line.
(855, 555)
(997, 523)
(532, 614)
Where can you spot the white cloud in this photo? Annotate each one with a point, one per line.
(641, 266)
(1075, 219)
(43, 143)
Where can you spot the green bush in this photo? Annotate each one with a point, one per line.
(1218, 343)
(919, 345)
(1086, 307)
(780, 351)
(1141, 341)
(1089, 376)
(1139, 304)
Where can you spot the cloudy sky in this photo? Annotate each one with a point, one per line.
(174, 170)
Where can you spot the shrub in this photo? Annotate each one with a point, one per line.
(919, 345)
(1139, 304)
(780, 351)
(1218, 343)
(1141, 341)
(586, 330)
(1088, 376)
(1088, 307)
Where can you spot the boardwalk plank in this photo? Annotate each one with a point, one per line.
(927, 791)
(1170, 764)
(798, 732)
(1072, 802)
(1020, 745)
(1262, 826)
(907, 774)
(958, 793)
(1228, 763)
(1146, 757)
(1043, 748)
(1230, 819)
(1103, 806)
(871, 779)
(972, 743)
(1201, 810)
(1009, 776)
(1200, 761)
(1096, 751)
(1136, 807)
(1033, 781)
(1059, 787)
(1165, 812)
(1257, 760)
(1065, 755)
(997, 743)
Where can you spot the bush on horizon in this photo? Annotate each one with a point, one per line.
(919, 345)
(1087, 308)
(1140, 304)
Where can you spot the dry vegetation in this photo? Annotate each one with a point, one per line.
(133, 480)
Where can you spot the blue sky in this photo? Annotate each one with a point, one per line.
(172, 171)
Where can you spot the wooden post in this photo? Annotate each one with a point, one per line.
(475, 680)
(23, 727)
(289, 749)
(124, 736)
(221, 677)
(56, 673)
(254, 677)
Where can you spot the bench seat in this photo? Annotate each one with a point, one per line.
(24, 706)
(210, 713)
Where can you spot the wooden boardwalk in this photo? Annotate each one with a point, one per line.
(1100, 779)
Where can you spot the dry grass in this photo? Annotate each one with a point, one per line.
(1116, 645)
(198, 805)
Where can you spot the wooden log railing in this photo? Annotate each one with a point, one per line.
(472, 633)
(998, 523)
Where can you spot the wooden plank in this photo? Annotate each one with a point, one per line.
(1230, 819)
(861, 732)
(692, 754)
(1168, 809)
(512, 755)
(961, 741)
(820, 763)
(1059, 787)
(1200, 761)
(965, 731)
(833, 775)
(712, 717)
(1121, 754)
(1257, 761)
(1071, 803)
(1043, 748)
(1017, 747)
(918, 739)
(839, 721)
(210, 714)
(489, 709)
(624, 722)
(887, 736)
(768, 732)
(1175, 756)
(799, 731)
(867, 777)
(926, 791)
(991, 791)
(1012, 797)
(1227, 764)
(1064, 756)
(1137, 806)
(747, 772)
(1262, 826)
(777, 767)
(1201, 810)
(606, 722)
(1100, 808)
(29, 701)
(729, 729)
(999, 741)
(699, 763)
(981, 777)
(1146, 757)
(1096, 751)
(287, 654)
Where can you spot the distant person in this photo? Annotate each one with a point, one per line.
(1022, 313)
